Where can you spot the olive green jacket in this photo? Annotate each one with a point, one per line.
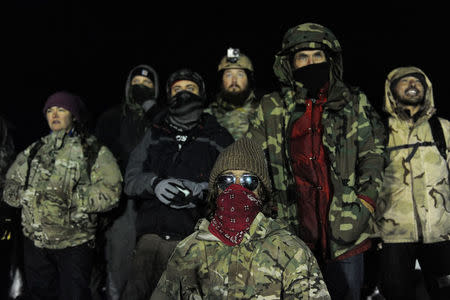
(353, 139)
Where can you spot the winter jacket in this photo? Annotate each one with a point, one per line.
(234, 119)
(122, 127)
(269, 263)
(414, 203)
(60, 196)
(167, 153)
(353, 139)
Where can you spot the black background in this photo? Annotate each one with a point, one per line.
(89, 47)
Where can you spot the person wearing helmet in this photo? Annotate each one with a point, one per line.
(236, 101)
(240, 252)
(167, 176)
(325, 145)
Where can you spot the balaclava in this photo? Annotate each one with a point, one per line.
(140, 93)
(237, 206)
(313, 77)
(185, 108)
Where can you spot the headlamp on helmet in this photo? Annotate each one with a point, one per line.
(233, 55)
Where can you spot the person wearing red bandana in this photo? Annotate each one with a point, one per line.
(239, 251)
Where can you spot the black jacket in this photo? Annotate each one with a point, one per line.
(162, 153)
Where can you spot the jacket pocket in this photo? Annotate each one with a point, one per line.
(348, 217)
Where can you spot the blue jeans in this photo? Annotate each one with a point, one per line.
(344, 278)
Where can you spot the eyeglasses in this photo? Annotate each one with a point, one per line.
(248, 181)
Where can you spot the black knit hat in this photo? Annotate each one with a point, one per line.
(243, 154)
(186, 74)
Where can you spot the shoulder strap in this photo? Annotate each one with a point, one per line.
(438, 135)
(91, 153)
(33, 152)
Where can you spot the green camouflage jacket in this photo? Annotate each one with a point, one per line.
(270, 263)
(414, 202)
(353, 139)
(234, 119)
(60, 202)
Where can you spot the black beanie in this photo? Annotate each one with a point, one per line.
(186, 74)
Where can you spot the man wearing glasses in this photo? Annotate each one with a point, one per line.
(240, 252)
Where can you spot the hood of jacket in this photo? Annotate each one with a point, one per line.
(310, 36)
(391, 105)
(128, 103)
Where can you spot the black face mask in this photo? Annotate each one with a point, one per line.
(313, 77)
(142, 93)
(185, 109)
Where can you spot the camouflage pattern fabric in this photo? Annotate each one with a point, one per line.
(60, 202)
(353, 139)
(414, 201)
(270, 263)
(234, 119)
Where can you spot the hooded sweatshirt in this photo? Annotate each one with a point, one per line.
(352, 137)
(123, 126)
(414, 203)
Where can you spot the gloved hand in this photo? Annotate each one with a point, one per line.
(167, 189)
(196, 188)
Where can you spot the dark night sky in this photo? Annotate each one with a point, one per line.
(89, 48)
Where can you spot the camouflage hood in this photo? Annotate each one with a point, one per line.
(391, 104)
(308, 36)
(128, 103)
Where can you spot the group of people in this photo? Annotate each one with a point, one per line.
(242, 197)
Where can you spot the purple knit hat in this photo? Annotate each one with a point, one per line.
(71, 102)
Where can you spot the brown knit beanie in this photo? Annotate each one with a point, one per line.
(243, 154)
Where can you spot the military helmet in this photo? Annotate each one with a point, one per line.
(309, 36)
(235, 60)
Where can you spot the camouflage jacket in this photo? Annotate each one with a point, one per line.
(234, 119)
(270, 263)
(60, 201)
(414, 202)
(353, 139)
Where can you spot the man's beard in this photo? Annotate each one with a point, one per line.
(411, 101)
(235, 98)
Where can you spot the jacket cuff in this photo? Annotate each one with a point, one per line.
(367, 202)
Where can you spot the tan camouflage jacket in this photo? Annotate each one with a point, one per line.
(353, 139)
(60, 203)
(414, 203)
(234, 119)
(270, 263)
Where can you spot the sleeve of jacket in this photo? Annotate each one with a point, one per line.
(257, 129)
(15, 179)
(371, 153)
(302, 278)
(137, 181)
(103, 191)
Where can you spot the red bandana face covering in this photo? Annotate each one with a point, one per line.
(236, 209)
